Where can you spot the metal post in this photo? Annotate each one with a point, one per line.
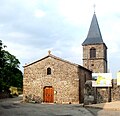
(109, 94)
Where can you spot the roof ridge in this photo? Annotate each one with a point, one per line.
(63, 60)
(53, 56)
(50, 55)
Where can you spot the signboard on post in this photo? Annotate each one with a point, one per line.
(102, 80)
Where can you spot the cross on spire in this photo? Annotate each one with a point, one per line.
(94, 8)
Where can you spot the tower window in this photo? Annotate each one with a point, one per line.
(48, 71)
(92, 53)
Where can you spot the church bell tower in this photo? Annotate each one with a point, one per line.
(94, 49)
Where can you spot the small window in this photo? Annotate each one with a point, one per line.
(92, 53)
(48, 71)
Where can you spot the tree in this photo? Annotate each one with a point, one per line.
(10, 75)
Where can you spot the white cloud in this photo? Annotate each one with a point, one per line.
(18, 35)
(104, 7)
(75, 11)
(39, 13)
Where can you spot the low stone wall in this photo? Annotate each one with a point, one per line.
(102, 94)
(115, 92)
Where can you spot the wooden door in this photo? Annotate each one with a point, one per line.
(48, 94)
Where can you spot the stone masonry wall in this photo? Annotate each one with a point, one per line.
(115, 93)
(84, 76)
(64, 79)
(99, 64)
(102, 93)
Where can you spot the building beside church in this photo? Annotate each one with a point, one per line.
(94, 49)
(55, 80)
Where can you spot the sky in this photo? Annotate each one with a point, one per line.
(29, 28)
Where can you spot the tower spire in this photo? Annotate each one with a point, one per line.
(94, 34)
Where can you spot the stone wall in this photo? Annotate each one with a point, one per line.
(84, 76)
(65, 78)
(105, 96)
(98, 64)
(115, 92)
(102, 94)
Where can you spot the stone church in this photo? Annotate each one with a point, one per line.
(55, 80)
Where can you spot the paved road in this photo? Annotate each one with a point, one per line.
(12, 107)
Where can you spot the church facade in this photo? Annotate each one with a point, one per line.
(55, 80)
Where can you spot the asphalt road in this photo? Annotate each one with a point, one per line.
(13, 107)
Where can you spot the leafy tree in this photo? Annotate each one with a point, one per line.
(10, 75)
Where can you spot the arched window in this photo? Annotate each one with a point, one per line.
(48, 71)
(92, 53)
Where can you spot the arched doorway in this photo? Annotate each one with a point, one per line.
(48, 94)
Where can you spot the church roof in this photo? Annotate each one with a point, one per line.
(94, 35)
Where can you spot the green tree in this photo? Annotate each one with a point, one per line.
(10, 75)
